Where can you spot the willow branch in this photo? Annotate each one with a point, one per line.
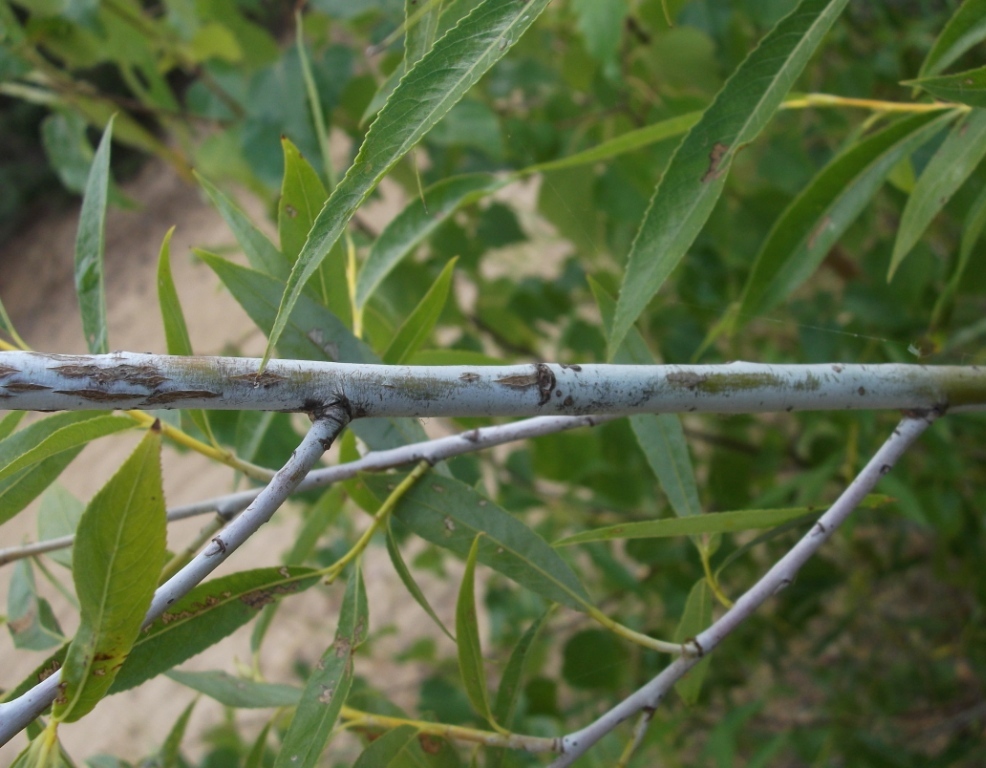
(35, 381)
(431, 451)
(782, 574)
(17, 714)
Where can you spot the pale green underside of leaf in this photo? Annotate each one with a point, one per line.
(450, 514)
(953, 163)
(808, 228)
(328, 685)
(211, 611)
(238, 692)
(966, 28)
(964, 87)
(424, 95)
(119, 553)
(688, 191)
(90, 241)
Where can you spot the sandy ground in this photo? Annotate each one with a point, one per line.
(36, 286)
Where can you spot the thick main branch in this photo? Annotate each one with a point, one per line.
(35, 381)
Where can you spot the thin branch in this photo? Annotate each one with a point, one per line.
(431, 451)
(782, 574)
(17, 714)
(35, 381)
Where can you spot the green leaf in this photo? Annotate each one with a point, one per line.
(31, 622)
(690, 187)
(169, 756)
(90, 243)
(513, 674)
(663, 441)
(175, 329)
(386, 748)
(421, 322)
(313, 333)
(211, 611)
(238, 692)
(967, 87)
(972, 229)
(256, 757)
(59, 516)
(627, 142)
(601, 24)
(418, 220)
(661, 437)
(260, 251)
(814, 221)
(696, 617)
(421, 24)
(425, 94)
(21, 488)
(710, 522)
(302, 197)
(450, 514)
(952, 164)
(327, 687)
(22, 450)
(410, 584)
(470, 651)
(9, 423)
(119, 554)
(964, 29)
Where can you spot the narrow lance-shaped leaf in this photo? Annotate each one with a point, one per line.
(21, 488)
(814, 221)
(302, 197)
(661, 436)
(169, 754)
(9, 423)
(696, 617)
(327, 687)
(952, 164)
(710, 522)
(55, 434)
(59, 516)
(421, 322)
(450, 514)
(90, 243)
(410, 584)
(972, 229)
(175, 329)
(428, 91)
(967, 87)
(419, 219)
(964, 29)
(236, 691)
(119, 553)
(259, 250)
(694, 180)
(467, 639)
(211, 611)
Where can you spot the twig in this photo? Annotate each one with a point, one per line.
(431, 451)
(124, 380)
(17, 714)
(782, 574)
